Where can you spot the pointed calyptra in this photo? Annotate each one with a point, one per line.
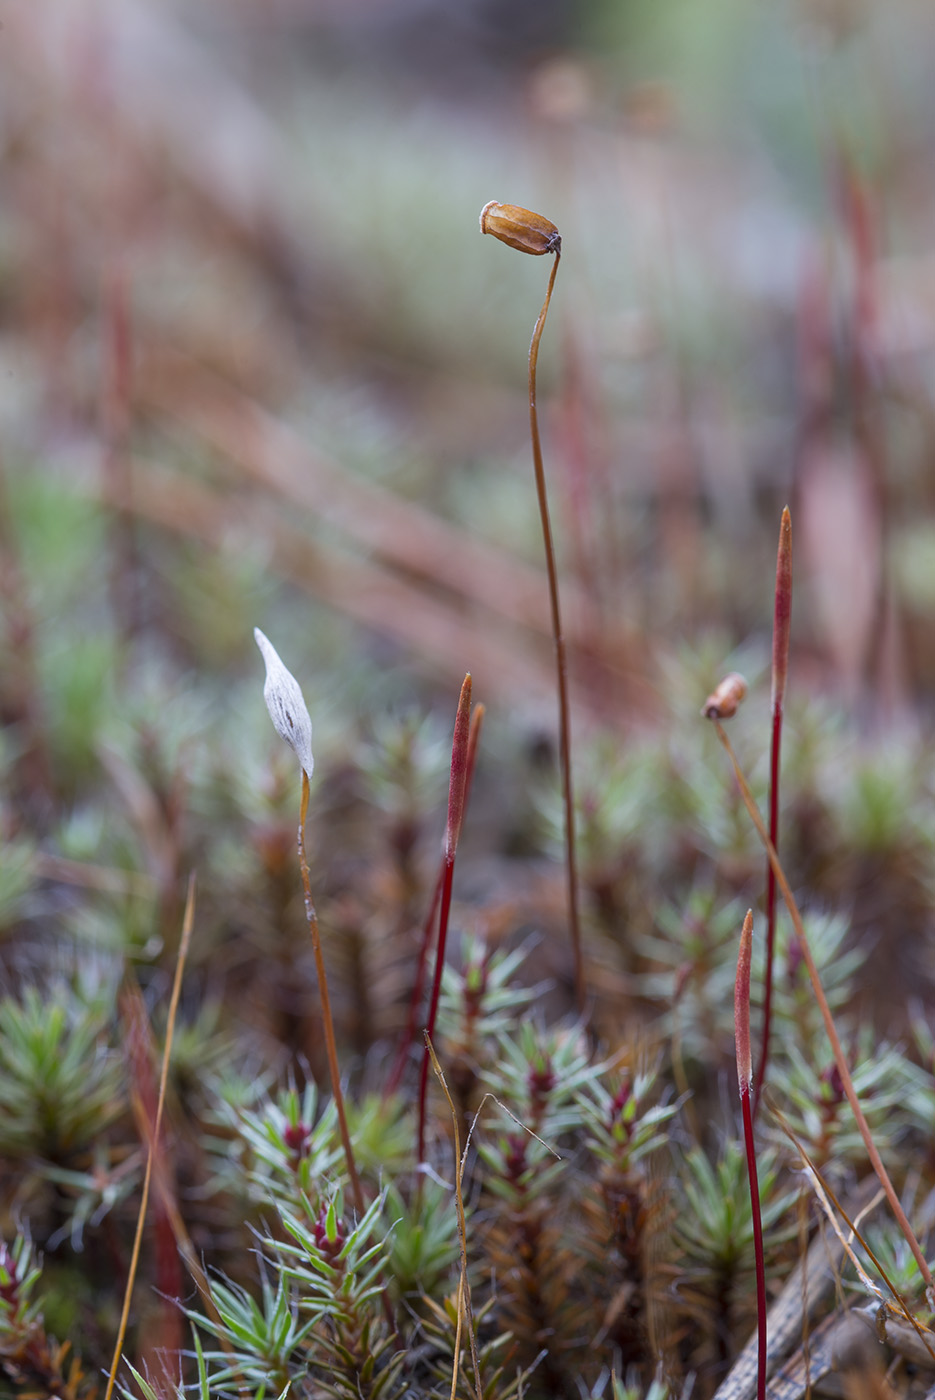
(287, 708)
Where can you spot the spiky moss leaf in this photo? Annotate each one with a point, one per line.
(60, 1083)
(283, 1145)
(807, 1085)
(714, 1223)
(423, 1243)
(267, 1337)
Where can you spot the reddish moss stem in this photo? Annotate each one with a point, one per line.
(327, 1019)
(745, 1084)
(837, 1051)
(457, 788)
(396, 1074)
(415, 1000)
(782, 623)
(561, 663)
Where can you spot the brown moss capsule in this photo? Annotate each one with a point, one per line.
(725, 698)
(520, 228)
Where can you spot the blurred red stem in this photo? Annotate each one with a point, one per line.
(744, 1076)
(457, 790)
(396, 1074)
(782, 627)
(770, 905)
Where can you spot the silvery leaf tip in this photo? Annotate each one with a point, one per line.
(286, 705)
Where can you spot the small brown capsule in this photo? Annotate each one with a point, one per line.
(520, 228)
(725, 698)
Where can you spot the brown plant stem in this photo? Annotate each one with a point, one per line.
(327, 1019)
(847, 1082)
(464, 1287)
(825, 1195)
(185, 941)
(396, 1074)
(745, 1084)
(782, 626)
(457, 787)
(561, 662)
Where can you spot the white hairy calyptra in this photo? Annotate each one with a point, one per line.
(287, 708)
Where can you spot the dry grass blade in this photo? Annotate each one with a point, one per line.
(827, 1197)
(464, 1288)
(184, 943)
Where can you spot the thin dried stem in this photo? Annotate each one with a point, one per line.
(561, 663)
(847, 1082)
(327, 1020)
(184, 943)
(825, 1195)
(464, 1287)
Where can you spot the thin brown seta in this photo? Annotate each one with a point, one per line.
(847, 1082)
(184, 943)
(531, 233)
(561, 662)
(782, 627)
(327, 1019)
(464, 1288)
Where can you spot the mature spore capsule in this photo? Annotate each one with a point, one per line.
(520, 228)
(725, 699)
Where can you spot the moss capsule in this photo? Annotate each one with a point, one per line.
(725, 698)
(520, 228)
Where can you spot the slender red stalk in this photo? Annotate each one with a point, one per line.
(327, 1019)
(745, 1084)
(457, 788)
(837, 1051)
(396, 1074)
(782, 625)
(415, 1001)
